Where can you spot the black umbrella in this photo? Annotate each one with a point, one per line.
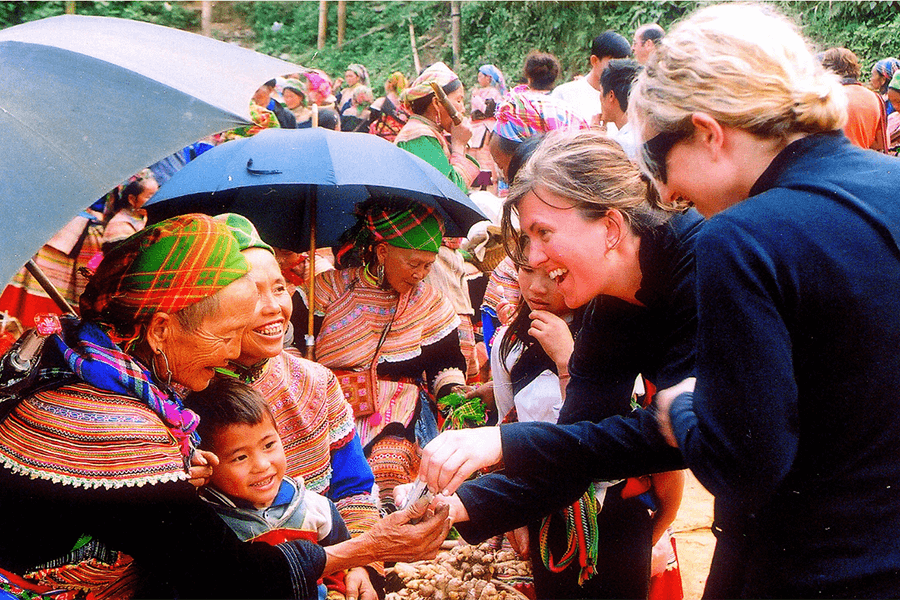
(301, 187)
(296, 183)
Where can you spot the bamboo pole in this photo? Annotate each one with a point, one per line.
(342, 22)
(323, 23)
(48, 286)
(206, 18)
(415, 51)
(455, 15)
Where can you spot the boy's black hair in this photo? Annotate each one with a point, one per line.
(610, 43)
(226, 401)
(618, 76)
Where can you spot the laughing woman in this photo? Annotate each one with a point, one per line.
(96, 456)
(313, 418)
(794, 423)
(592, 223)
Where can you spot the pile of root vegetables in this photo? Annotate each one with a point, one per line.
(463, 572)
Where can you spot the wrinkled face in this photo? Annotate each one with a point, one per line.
(150, 188)
(404, 269)
(251, 462)
(877, 80)
(540, 291)
(351, 78)
(264, 336)
(194, 355)
(291, 98)
(569, 248)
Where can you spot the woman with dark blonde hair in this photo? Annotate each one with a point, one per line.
(793, 421)
(592, 222)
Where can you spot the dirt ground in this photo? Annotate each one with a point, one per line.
(693, 537)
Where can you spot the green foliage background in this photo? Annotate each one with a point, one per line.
(498, 32)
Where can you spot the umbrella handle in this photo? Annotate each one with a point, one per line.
(310, 328)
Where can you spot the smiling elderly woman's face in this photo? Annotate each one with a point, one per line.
(195, 353)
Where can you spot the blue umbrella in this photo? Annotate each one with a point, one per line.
(291, 182)
(87, 101)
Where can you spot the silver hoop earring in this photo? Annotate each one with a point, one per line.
(165, 358)
(379, 275)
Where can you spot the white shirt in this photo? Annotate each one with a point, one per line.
(625, 137)
(583, 99)
(540, 400)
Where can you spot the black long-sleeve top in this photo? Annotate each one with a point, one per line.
(616, 342)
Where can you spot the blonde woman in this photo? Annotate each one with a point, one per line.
(793, 423)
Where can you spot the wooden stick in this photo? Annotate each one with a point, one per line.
(49, 287)
(415, 51)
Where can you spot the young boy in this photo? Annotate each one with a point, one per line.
(248, 488)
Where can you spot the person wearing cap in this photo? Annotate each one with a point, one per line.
(99, 456)
(425, 134)
(387, 334)
(583, 95)
(522, 115)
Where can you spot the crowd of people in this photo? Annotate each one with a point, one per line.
(669, 278)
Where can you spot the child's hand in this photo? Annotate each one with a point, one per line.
(553, 334)
(202, 464)
(359, 587)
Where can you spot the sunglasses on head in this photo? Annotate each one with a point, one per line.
(656, 150)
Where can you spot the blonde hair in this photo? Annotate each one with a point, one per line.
(593, 173)
(746, 66)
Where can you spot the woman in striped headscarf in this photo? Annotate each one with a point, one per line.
(99, 454)
(387, 334)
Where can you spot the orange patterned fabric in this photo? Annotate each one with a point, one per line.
(82, 436)
(356, 313)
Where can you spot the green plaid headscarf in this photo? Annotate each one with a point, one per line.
(243, 231)
(417, 227)
(163, 268)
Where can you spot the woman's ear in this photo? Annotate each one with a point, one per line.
(708, 131)
(159, 330)
(615, 228)
(381, 252)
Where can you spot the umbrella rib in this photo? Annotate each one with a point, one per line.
(37, 133)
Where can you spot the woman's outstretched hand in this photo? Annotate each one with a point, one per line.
(451, 457)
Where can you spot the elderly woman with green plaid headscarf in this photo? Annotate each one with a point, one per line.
(387, 334)
(98, 452)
